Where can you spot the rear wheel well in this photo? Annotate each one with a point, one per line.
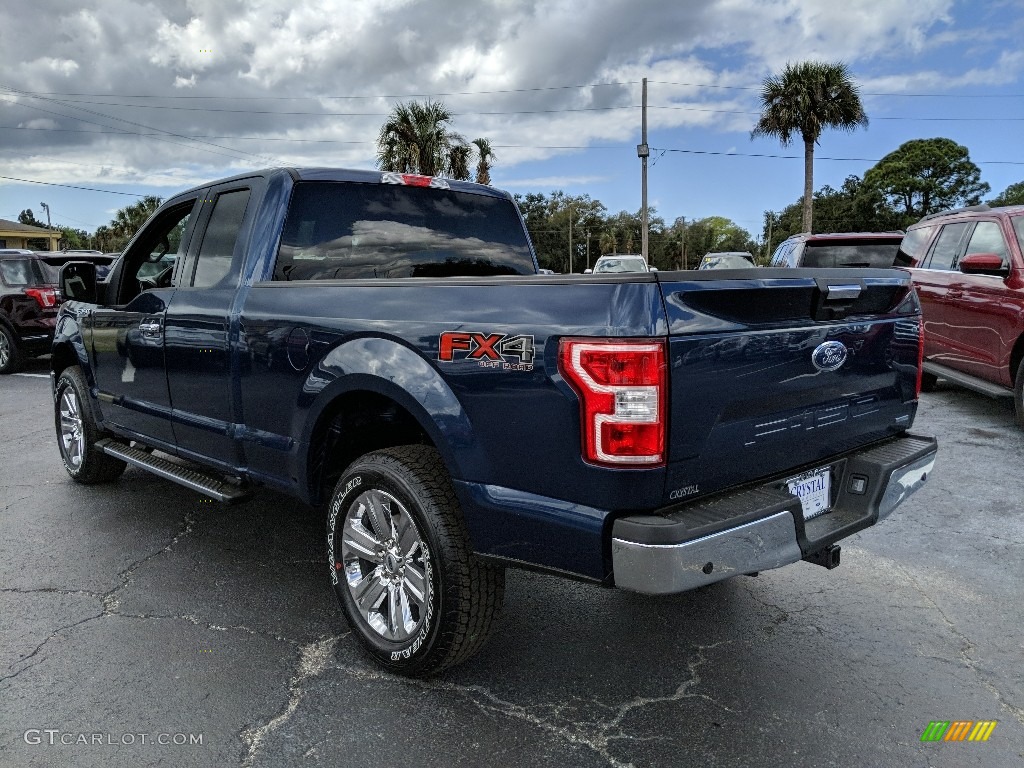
(63, 356)
(1015, 357)
(354, 424)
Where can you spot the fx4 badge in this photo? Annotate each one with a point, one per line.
(490, 350)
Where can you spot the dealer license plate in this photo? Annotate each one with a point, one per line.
(812, 488)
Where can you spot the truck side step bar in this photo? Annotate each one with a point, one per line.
(966, 380)
(216, 488)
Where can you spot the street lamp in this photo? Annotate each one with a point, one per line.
(47, 209)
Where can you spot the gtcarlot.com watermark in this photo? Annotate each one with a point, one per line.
(57, 737)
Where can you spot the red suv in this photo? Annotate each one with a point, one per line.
(968, 266)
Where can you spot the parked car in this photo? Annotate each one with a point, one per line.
(56, 259)
(968, 267)
(378, 344)
(28, 308)
(727, 260)
(620, 262)
(838, 249)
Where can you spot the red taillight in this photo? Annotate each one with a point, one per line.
(45, 297)
(920, 357)
(622, 386)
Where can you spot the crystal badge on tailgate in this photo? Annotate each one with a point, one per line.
(812, 488)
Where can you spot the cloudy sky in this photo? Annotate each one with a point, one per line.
(153, 97)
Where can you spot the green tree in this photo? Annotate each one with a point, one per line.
(417, 138)
(715, 233)
(72, 238)
(924, 176)
(1012, 195)
(103, 239)
(805, 99)
(129, 220)
(484, 160)
(27, 217)
(854, 207)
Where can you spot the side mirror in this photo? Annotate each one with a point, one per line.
(652, 269)
(77, 281)
(983, 264)
(588, 271)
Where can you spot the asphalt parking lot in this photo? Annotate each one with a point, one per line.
(141, 625)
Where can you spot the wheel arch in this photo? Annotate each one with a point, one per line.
(374, 393)
(1015, 358)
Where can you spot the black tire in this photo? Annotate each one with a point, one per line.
(462, 595)
(77, 432)
(1018, 395)
(928, 382)
(11, 357)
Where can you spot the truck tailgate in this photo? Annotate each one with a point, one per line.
(772, 370)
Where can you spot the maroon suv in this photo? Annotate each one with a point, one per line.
(28, 308)
(968, 266)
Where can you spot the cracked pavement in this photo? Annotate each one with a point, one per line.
(140, 608)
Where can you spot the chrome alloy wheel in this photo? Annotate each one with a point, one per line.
(72, 432)
(387, 566)
(5, 350)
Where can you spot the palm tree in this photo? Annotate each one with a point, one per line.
(485, 160)
(416, 139)
(807, 98)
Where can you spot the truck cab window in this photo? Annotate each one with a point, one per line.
(215, 262)
(349, 230)
(149, 263)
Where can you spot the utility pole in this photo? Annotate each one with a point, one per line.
(47, 209)
(588, 247)
(643, 152)
(570, 239)
(771, 220)
(682, 246)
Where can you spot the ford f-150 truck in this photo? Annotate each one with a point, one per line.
(380, 345)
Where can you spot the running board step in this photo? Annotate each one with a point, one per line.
(966, 380)
(215, 488)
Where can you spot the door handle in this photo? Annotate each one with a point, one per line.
(150, 328)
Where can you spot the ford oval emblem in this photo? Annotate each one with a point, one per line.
(829, 356)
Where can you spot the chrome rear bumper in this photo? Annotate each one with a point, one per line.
(643, 561)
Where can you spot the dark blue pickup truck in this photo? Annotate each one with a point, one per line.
(381, 346)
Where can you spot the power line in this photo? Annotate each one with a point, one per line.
(816, 157)
(486, 92)
(351, 96)
(862, 93)
(122, 132)
(122, 120)
(71, 186)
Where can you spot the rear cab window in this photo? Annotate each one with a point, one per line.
(351, 230)
(880, 253)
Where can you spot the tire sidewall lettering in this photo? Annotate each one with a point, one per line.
(337, 505)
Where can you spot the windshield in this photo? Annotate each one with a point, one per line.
(620, 265)
(726, 261)
(877, 254)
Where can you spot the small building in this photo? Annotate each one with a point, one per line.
(14, 234)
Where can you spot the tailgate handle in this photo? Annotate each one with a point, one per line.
(843, 292)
